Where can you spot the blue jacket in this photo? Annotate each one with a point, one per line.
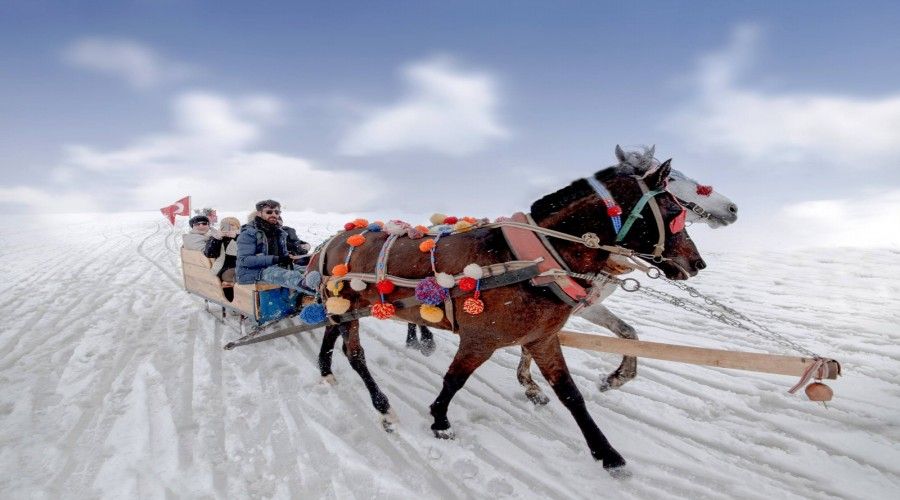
(253, 253)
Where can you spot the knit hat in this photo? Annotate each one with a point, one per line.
(197, 219)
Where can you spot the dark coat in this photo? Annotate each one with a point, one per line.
(253, 252)
(295, 245)
(224, 260)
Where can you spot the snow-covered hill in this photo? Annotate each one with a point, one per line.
(115, 385)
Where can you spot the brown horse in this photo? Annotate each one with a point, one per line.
(518, 314)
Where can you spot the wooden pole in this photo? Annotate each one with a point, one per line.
(750, 361)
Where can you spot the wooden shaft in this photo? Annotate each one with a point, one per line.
(750, 361)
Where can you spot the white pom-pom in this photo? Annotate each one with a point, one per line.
(445, 280)
(437, 219)
(396, 227)
(473, 271)
(358, 284)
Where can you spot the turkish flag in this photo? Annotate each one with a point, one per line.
(180, 207)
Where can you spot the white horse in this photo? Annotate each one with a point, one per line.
(704, 205)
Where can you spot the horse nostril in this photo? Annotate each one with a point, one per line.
(700, 265)
(732, 208)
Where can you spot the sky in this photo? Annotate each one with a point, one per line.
(468, 108)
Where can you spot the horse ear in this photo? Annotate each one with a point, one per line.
(657, 179)
(620, 154)
(651, 152)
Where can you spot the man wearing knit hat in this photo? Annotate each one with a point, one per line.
(196, 238)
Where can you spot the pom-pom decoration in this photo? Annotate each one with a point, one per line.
(704, 190)
(426, 246)
(467, 284)
(383, 310)
(358, 285)
(396, 227)
(432, 314)
(428, 291)
(349, 226)
(337, 305)
(356, 240)
(313, 280)
(385, 286)
(473, 271)
(450, 220)
(437, 219)
(421, 228)
(379, 223)
(470, 220)
(335, 286)
(445, 280)
(473, 306)
(374, 227)
(614, 211)
(340, 270)
(360, 223)
(442, 228)
(313, 314)
(462, 226)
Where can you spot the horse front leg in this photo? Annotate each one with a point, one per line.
(356, 355)
(469, 356)
(627, 370)
(523, 373)
(548, 355)
(331, 335)
(412, 342)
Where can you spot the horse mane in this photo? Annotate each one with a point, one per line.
(579, 188)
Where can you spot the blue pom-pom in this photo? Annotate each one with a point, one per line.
(374, 227)
(313, 314)
(313, 280)
(428, 291)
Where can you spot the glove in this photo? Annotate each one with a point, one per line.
(285, 260)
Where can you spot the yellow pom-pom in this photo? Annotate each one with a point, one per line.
(360, 223)
(437, 219)
(383, 310)
(426, 245)
(431, 314)
(473, 306)
(335, 286)
(462, 226)
(340, 270)
(356, 240)
(337, 305)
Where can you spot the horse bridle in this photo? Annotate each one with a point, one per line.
(614, 211)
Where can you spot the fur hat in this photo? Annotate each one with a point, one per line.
(197, 219)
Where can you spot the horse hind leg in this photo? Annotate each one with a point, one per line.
(325, 353)
(469, 356)
(426, 344)
(627, 370)
(523, 373)
(357, 357)
(548, 355)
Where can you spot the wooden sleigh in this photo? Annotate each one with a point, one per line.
(265, 304)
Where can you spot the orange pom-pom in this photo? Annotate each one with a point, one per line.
(356, 240)
(340, 270)
(473, 306)
(360, 223)
(470, 220)
(383, 310)
(426, 245)
(422, 228)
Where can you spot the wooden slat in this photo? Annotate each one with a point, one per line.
(750, 361)
(245, 300)
(207, 290)
(196, 257)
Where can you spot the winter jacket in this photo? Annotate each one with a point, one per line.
(224, 260)
(295, 245)
(194, 240)
(253, 252)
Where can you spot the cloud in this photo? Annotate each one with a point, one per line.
(445, 110)
(211, 152)
(868, 221)
(137, 64)
(772, 127)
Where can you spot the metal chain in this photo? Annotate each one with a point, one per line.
(725, 314)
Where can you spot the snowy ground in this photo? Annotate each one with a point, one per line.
(115, 385)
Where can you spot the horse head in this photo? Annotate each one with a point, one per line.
(704, 204)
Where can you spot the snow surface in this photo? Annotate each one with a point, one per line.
(115, 385)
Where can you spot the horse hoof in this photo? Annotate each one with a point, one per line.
(388, 419)
(413, 344)
(538, 398)
(427, 347)
(329, 379)
(444, 433)
(620, 472)
(610, 383)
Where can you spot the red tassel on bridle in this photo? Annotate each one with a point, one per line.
(704, 190)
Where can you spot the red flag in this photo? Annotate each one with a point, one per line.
(180, 207)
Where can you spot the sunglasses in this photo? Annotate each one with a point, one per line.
(270, 212)
(201, 223)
